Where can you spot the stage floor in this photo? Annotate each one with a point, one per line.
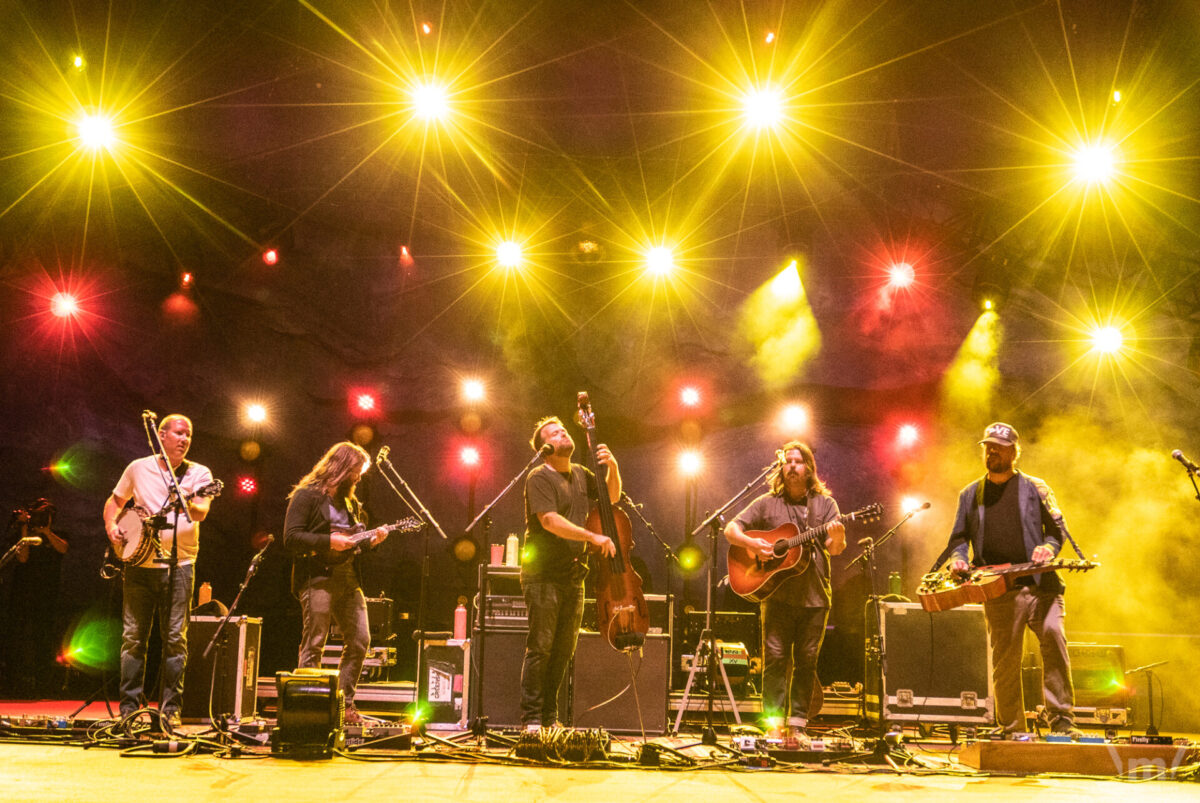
(48, 770)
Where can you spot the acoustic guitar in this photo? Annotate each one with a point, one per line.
(754, 578)
(941, 591)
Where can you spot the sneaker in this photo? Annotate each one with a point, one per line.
(352, 717)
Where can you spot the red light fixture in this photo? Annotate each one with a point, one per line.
(247, 485)
(270, 257)
(64, 305)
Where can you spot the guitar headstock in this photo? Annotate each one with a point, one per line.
(585, 416)
(409, 524)
(214, 488)
(871, 512)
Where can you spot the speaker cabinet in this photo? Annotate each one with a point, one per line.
(601, 673)
(495, 681)
(230, 673)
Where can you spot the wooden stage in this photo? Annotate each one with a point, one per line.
(38, 766)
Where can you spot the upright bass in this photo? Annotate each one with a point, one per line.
(621, 610)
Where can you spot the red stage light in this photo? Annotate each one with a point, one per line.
(247, 485)
(908, 435)
(64, 305)
(270, 257)
(365, 402)
(901, 274)
(406, 257)
(469, 456)
(689, 396)
(186, 280)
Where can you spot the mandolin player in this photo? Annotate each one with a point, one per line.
(322, 512)
(558, 499)
(794, 615)
(1010, 517)
(163, 580)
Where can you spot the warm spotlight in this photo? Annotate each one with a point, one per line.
(762, 108)
(508, 254)
(1107, 340)
(689, 397)
(691, 557)
(910, 504)
(79, 63)
(256, 413)
(270, 257)
(1116, 96)
(186, 280)
(406, 258)
(426, 28)
(908, 435)
(96, 132)
(1095, 164)
(430, 102)
(469, 456)
(690, 463)
(64, 305)
(660, 261)
(794, 419)
(901, 275)
(770, 37)
(473, 390)
(786, 286)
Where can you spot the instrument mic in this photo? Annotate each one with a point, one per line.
(383, 454)
(546, 450)
(31, 540)
(1188, 464)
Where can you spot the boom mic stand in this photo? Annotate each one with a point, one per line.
(886, 746)
(479, 723)
(706, 647)
(397, 482)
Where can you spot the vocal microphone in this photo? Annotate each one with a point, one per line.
(153, 416)
(925, 506)
(546, 450)
(258, 558)
(1188, 464)
(31, 540)
(383, 454)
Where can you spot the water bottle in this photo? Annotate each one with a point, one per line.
(512, 550)
(894, 585)
(205, 595)
(460, 623)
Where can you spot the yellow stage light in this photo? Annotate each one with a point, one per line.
(794, 419)
(472, 390)
(1095, 164)
(1107, 340)
(763, 107)
(78, 62)
(690, 463)
(96, 131)
(431, 102)
(660, 261)
(509, 254)
(689, 397)
(256, 413)
(786, 286)
(909, 504)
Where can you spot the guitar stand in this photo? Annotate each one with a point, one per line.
(704, 653)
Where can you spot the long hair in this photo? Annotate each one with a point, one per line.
(333, 469)
(775, 478)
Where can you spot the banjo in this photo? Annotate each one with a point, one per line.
(139, 529)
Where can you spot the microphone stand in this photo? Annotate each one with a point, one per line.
(479, 722)
(218, 636)
(1191, 476)
(706, 648)
(1151, 728)
(397, 483)
(883, 750)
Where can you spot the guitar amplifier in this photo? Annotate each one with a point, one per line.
(936, 666)
(659, 606)
(229, 676)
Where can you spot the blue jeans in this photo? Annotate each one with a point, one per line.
(336, 598)
(555, 612)
(792, 639)
(145, 591)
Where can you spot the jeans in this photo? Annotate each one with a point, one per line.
(555, 612)
(336, 598)
(792, 639)
(144, 591)
(1007, 618)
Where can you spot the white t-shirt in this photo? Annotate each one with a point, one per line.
(146, 484)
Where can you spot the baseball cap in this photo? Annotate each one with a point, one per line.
(1000, 433)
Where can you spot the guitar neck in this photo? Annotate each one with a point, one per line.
(1026, 569)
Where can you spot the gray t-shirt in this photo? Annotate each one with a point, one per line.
(546, 556)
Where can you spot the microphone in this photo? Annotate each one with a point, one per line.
(546, 450)
(153, 416)
(257, 559)
(925, 506)
(383, 454)
(1188, 464)
(31, 540)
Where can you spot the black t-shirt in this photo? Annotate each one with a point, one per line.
(1003, 536)
(546, 556)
